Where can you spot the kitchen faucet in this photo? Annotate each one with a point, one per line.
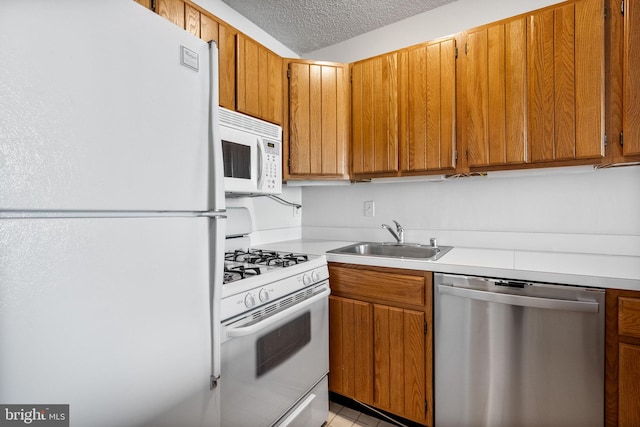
(398, 234)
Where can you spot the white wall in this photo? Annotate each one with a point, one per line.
(595, 211)
(272, 221)
(443, 21)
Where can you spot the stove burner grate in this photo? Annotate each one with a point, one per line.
(267, 258)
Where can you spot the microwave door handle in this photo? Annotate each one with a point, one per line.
(261, 156)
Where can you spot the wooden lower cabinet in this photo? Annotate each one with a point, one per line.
(351, 348)
(380, 339)
(623, 358)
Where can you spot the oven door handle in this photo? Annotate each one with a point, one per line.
(248, 330)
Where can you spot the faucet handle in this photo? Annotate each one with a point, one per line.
(400, 230)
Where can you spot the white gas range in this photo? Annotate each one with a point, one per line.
(275, 334)
(255, 277)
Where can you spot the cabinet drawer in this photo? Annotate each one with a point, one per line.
(392, 287)
(629, 316)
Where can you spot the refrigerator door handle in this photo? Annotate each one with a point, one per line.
(216, 244)
(212, 214)
(216, 164)
(524, 301)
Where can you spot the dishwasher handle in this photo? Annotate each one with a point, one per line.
(520, 300)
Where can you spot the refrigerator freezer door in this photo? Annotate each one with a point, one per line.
(103, 106)
(111, 316)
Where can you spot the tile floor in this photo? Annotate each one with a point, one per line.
(341, 416)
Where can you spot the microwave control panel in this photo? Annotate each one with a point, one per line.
(273, 166)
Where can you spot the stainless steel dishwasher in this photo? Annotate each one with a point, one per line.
(517, 354)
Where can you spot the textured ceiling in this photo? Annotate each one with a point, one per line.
(308, 25)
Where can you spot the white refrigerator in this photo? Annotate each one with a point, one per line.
(111, 215)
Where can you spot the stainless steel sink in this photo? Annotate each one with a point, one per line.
(394, 250)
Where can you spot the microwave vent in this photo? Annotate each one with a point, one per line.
(251, 124)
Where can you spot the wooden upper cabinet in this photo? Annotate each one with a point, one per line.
(145, 3)
(631, 83)
(192, 20)
(492, 85)
(258, 80)
(374, 115)
(565, 67)
(318, 120)
(428, 106)
(172, 11)
(227, 65)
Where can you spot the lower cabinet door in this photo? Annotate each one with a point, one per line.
(377, 355)
(399, 361)
(628, 385)
(351, 348)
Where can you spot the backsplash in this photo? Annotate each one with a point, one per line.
(272, 220)
(593, 211)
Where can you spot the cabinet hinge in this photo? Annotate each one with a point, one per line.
(426, 408)
(153, 5)
(622, 6)
(289, 163)
(456, 51)
(621, 138)
(425, 327)
(466, 153)
(605, 139)
(466, 48)
(456, 154)
(289, 73)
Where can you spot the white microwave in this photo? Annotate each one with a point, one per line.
(252, 154)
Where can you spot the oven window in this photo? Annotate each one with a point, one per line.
(279, 345)
(237, 160)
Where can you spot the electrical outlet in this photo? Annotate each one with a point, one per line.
(369, 208)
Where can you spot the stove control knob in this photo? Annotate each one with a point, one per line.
(306, 279)
(263, 295)
(249, 301)
(315, 276)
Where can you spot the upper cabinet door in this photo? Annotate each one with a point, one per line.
(318, 120)
(374, 115)
(428, 107)
(227, 65)
(493, 94)
(145, 3)
(172, 11)
(259, 81)
(631, 65)
(565, 67)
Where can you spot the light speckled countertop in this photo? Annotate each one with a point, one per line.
(594, 270)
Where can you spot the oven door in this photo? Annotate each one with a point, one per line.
(242, 156)
(269, 363)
